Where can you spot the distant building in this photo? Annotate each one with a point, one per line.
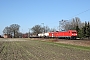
(7, 36)
(25, 35)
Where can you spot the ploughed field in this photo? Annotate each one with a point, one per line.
(25, 49)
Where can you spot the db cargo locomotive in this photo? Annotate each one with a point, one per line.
(70, 34)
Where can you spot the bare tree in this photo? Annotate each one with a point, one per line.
(37, 29)
(73, 23)
(46, 29)
(62, 24)
(15, 29)
(52, 30)
(7, 30)
(67, 26)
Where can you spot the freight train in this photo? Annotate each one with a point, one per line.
(70, 34)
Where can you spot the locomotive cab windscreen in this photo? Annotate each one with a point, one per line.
(74, 33)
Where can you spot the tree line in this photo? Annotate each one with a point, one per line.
(14, 31)
(83, 28)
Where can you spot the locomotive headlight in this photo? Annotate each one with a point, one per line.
(76, 34)
(72, 34)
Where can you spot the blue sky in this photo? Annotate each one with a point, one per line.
(28, 13)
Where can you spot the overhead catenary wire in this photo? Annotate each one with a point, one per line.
(79, 13)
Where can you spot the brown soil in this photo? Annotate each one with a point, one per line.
(37, 50)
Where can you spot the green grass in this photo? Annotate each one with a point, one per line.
(67, 45)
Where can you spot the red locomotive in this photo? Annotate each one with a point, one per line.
(70, 34)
